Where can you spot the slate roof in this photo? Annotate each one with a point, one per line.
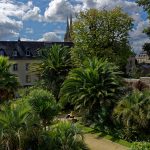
(8, 48)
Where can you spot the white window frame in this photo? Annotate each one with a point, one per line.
(28, 53)
(15, 53)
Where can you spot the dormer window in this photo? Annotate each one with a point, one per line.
(28, 53)
(2, 52)
(15, 53)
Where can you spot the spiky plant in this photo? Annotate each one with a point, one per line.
(55, 65)
(92, 86)
(67, 136)
(13, 125)
(44, 105)
(133, 110)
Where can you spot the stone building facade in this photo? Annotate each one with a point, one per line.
(22, 54)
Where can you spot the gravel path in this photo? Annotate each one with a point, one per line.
(95, 143)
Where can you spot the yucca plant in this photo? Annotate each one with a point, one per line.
(93, 86)
(13, 125)
(67, 136)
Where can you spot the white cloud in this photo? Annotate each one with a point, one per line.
(9, 26)
(33, 14)
(137, 37)
(12, 13)
(50, 36)
(26, 39)
(58, 10)
(29, 30)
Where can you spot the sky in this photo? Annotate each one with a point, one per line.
(45, 20)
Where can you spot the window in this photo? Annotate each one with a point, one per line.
(27, 53)
(15, 53)
(28, 79)
(27, 66)
(2, 52)
(15, 67)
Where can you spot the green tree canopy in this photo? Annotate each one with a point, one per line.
(145, 4)
(103, 34)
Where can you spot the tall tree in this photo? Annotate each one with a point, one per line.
(92, 87)
(8, 82)
(55, 65)
(146, 5)
(103, 34)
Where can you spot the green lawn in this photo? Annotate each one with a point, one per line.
(104, 135)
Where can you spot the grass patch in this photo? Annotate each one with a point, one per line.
(104, 135)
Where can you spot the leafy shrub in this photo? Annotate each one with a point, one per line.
(14, 121)
(67, 136)
(44, 105)
(140, 146)
(132, 112)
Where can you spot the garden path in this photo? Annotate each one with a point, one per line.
(99, 143)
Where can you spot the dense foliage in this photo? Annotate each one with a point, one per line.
(140, 146)
(55, 65)
(133, 111)
(23, 125)
(44, 104)
(93, 87)
(102, 33)
(8, 81)
(67, 136)
(14, 121)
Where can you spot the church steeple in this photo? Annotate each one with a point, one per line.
(70, 20)
(19, 39)
(67, 37)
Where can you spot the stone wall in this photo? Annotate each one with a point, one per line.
(146, 80)
(142, 82)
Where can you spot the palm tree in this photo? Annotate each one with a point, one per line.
(134, 110)
(8, 82)
(92, 86)
(56, 63)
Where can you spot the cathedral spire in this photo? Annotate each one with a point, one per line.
(19, 39)
(70, 20)
(68, 25)
(67, 37)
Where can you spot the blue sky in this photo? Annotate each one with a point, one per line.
(45, 20)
